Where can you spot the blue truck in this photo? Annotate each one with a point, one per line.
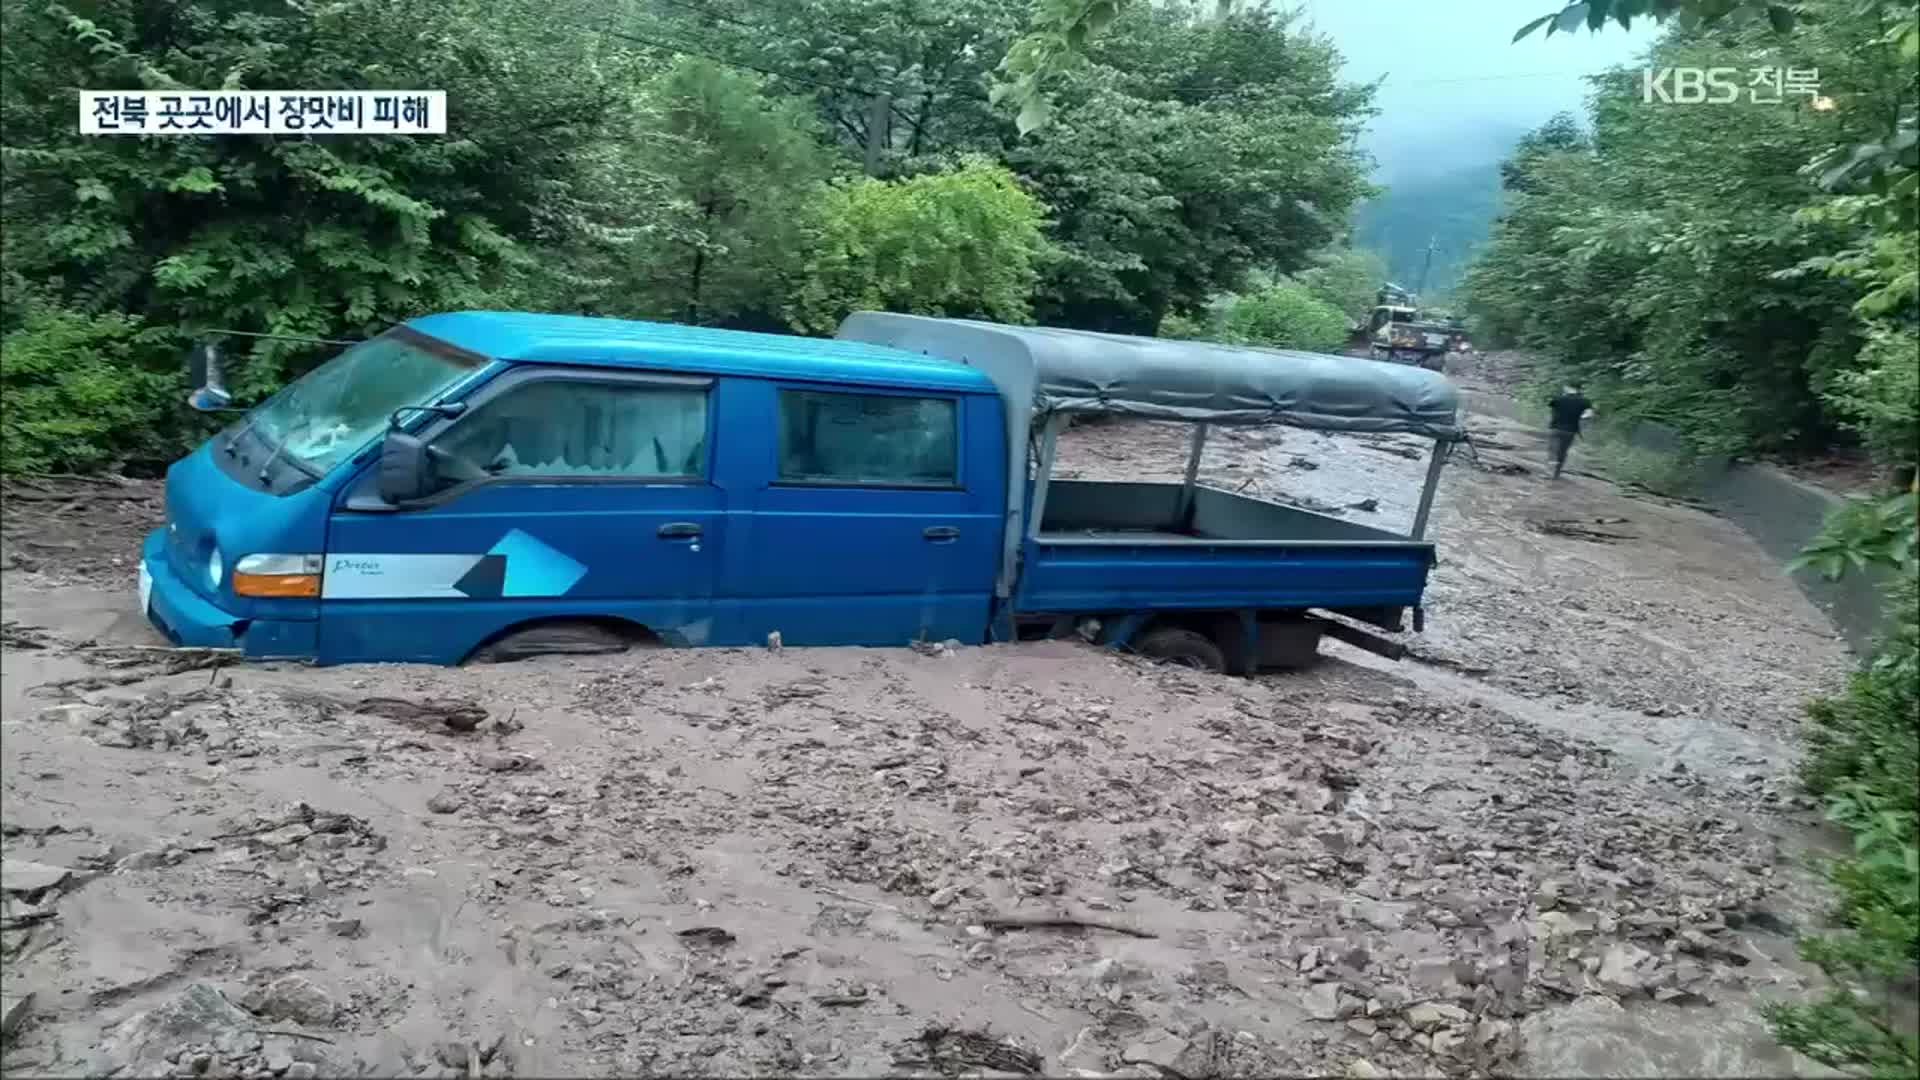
(493, 483)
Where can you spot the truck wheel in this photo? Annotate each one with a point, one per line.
(1177, 645)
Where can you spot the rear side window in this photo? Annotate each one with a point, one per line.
(879, 439)
(559, 428)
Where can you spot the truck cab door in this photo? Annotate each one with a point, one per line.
(564, 493)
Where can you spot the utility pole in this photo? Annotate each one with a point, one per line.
(877, 116)
(1421, 286)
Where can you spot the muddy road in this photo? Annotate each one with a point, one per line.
(1564, 840)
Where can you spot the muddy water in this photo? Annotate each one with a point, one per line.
(1599, 733)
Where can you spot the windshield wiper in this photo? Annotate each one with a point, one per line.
(266, 469)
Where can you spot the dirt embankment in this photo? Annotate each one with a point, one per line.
(1565, 841)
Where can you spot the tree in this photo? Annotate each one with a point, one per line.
(966, 243)
(1188, 152)
(741, 169)
(1692, 302)
(318, 236)
(1285, 315)
(1347, 279)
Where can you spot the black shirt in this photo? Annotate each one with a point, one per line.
(1567, 411)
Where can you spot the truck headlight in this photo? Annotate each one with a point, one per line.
(215, 568)
(277, 575)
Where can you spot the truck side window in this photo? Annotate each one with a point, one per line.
(882, 439)
(560, 428)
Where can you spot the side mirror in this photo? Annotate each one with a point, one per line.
(204, 372)
(406, 469)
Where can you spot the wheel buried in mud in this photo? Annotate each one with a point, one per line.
(570, 637)
(1187, 648)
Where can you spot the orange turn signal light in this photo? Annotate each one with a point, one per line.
(276, 584)
(277, 575)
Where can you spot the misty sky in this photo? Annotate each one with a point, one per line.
(1456, 83)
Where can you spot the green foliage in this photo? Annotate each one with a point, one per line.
(1186, 152)
(1348, 279)
(73, 401)
(741, 169)
(1863, 754)
(1186, 328)
(1678, 300)
(1862, 533)
(1879, 396)
(1672, 474)
(1285, 315)
(335, 237)
(966, 242)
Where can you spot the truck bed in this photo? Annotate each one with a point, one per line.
(1112, 546)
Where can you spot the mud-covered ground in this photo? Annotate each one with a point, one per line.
(1563, 841)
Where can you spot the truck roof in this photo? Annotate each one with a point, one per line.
(627, 343)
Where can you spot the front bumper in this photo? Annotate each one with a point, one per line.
(184, 617)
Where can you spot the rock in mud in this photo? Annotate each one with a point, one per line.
(1159, 1048)
(150, 859)
(13, 1010)
(76, 713)
(201, 1015)
(445, 802)
(26, 877)
(1322, 1001)
(1430, 1015)
(1622, 970)
(296, 998)
(285, 836)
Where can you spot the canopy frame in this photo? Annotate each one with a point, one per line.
(1046, 375)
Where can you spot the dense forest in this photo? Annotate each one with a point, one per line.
(1750, 274)
(770, 166)
(1688, 263)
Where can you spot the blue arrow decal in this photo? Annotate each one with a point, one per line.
(533, 568)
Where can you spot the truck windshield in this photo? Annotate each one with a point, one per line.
(337, 408)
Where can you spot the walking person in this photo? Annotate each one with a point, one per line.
(1568, 410)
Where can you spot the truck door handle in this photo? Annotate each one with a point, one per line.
(679, 530)
(940, 532)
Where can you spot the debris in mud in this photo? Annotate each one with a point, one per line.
(462, 716)
(797, 690)
(1580, 530)
(141, 663)
(1502, 468)
(1365, 506)
(498, 761)
(302, 825)
(15, 635)
(712, 937)
(953, 1051)
(16, 914)
(155, 722)
(1302, 463)
(200, 1022)
(1062, 922)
